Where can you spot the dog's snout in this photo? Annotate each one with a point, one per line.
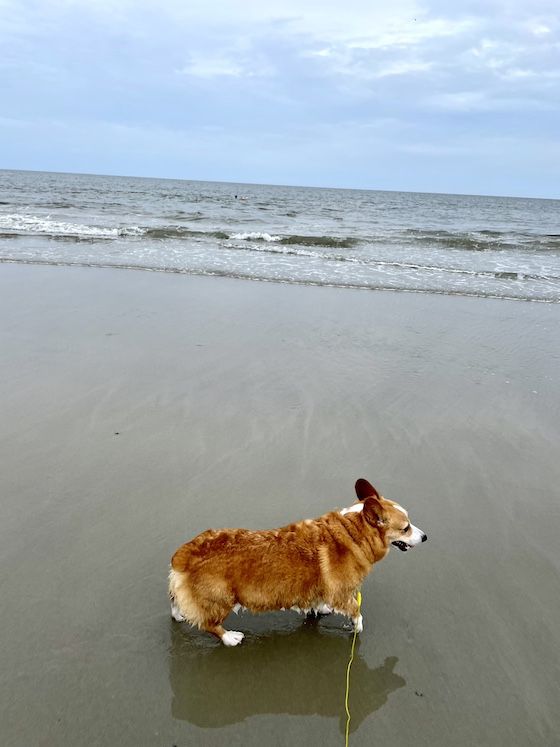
(424, 537)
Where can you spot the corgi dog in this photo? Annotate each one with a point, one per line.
(313, 565)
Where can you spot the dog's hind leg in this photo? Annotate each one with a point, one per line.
(228, 637)
(176, 613)
(208, 612)
(213, 612)
(176, 591)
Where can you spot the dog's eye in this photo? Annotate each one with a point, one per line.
(407, 527)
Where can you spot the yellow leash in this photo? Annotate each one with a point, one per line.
(359, 600)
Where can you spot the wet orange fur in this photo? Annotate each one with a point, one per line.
(315, 561)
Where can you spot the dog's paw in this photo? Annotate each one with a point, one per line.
(358, 623)
(323, 609)
(176, 614)
(232, 638)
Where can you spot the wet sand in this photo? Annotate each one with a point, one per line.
(139, 409)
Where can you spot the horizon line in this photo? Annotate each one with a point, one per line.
(290, 186)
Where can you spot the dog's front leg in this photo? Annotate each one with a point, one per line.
(351, 609)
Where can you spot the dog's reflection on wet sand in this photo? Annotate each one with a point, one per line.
(299, 671)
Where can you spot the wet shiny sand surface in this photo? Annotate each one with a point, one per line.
(139, 409)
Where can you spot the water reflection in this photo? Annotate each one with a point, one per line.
(299, 669)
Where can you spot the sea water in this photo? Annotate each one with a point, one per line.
(500, 247)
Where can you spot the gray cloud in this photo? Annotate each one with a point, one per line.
(276, 92)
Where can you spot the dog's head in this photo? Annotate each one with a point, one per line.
(389, 517)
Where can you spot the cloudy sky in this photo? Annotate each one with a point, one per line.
(437, 96)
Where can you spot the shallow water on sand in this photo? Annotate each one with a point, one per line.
(139, 410)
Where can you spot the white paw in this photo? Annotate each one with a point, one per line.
(176, 614)
(358, 623)
(232, 638)
(323, 609)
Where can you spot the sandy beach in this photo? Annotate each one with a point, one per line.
(138, 409)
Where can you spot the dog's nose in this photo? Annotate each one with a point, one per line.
(424, 537)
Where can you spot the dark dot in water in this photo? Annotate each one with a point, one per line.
(117, 433)
(420, 695)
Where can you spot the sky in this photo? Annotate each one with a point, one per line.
(433, 96)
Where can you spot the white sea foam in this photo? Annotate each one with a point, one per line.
(287, 251)
(255, 236)
(44, 225)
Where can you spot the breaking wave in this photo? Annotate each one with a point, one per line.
(30, 224)
(18, 224)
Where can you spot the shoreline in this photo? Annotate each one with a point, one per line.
(275, 281)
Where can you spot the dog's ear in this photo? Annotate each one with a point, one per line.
(374, 512)
(364, 489)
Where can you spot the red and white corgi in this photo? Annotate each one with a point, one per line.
(316, 564)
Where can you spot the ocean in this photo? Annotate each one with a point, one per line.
(499, 247)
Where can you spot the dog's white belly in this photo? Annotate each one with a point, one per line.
(320, 609)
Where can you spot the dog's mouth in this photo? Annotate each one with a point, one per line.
(401, 545)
